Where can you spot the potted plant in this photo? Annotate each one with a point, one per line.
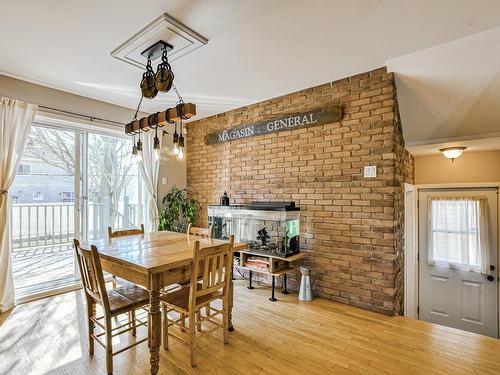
(179, 211)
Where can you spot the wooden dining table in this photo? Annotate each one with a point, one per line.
(154, 260)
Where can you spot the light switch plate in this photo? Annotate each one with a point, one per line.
(164, 180)
(370, 171)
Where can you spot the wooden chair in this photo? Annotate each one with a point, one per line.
(213, 265)
(201, 232)
(114, 302)
(123, 233)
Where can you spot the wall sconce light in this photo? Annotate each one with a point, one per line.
(452, 152)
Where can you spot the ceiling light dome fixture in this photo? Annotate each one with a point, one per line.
(452, 152)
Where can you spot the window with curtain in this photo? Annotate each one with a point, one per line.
(458, 233)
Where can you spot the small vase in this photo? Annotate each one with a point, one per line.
(224, 200)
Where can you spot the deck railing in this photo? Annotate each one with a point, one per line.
(45, 224)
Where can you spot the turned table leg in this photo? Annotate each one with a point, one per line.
(155, 325)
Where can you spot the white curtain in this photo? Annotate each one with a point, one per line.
(16, 118)
(458, 233)
(150, 169)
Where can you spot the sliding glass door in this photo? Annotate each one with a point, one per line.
(42, 210)
(112, 191)
(70, 184)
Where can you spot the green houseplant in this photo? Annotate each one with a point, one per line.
(178, 211)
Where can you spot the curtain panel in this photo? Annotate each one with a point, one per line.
(458, 233)
(16, 118)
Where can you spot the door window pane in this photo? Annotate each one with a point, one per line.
(458, 233)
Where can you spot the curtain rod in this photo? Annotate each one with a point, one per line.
(92, 118)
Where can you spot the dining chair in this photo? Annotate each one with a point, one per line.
(201, 232)
(114, 302)
(123, 233)
(210, 278)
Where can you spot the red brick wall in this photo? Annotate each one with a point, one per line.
(350, 225)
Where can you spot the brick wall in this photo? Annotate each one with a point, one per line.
(350, 225)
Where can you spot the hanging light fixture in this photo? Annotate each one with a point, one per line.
(148, 83)
(180, 141)
(175, 141)
(164, 75)
(151, 84)
(452, 152)
(134, 149)
(157, 146)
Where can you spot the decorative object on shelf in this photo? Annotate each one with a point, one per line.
(151, 84)
(179, 211)
(452, 152)
(224, 199)
(262, 236)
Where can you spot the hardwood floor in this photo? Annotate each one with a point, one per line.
(286, 337)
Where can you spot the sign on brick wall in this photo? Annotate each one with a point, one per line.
(294, 121)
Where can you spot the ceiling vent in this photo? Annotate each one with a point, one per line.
(166, 29)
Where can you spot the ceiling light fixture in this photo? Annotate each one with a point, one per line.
(151, 84)
(452, 152)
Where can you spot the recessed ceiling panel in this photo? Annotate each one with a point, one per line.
(165, 28)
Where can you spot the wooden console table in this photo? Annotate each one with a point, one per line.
(278, 266)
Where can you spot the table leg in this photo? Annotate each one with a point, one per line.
(155, 326)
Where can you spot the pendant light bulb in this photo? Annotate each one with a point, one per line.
(180, 155)
(176, 142)
(157, 147)
(139, 150)
(134, 152)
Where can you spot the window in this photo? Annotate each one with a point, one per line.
(38, 195)
(24, 169)
(458, 233)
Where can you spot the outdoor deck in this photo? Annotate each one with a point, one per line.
(39, 269)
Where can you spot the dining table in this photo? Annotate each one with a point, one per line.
(154, 261)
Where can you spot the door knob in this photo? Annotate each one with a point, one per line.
(492, 267)
(490, 278)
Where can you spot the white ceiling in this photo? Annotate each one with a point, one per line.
(260, 49)
(449, 94)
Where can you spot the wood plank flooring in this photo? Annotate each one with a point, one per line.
(287, 337)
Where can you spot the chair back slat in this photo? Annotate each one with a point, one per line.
(201, 232)
(125, 232)
(213, 265)
(91, 274)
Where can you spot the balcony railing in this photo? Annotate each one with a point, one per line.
(47, 224)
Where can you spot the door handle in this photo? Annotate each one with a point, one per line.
(492, 267)
(490, 278)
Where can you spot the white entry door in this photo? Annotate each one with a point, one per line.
(455, 289)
